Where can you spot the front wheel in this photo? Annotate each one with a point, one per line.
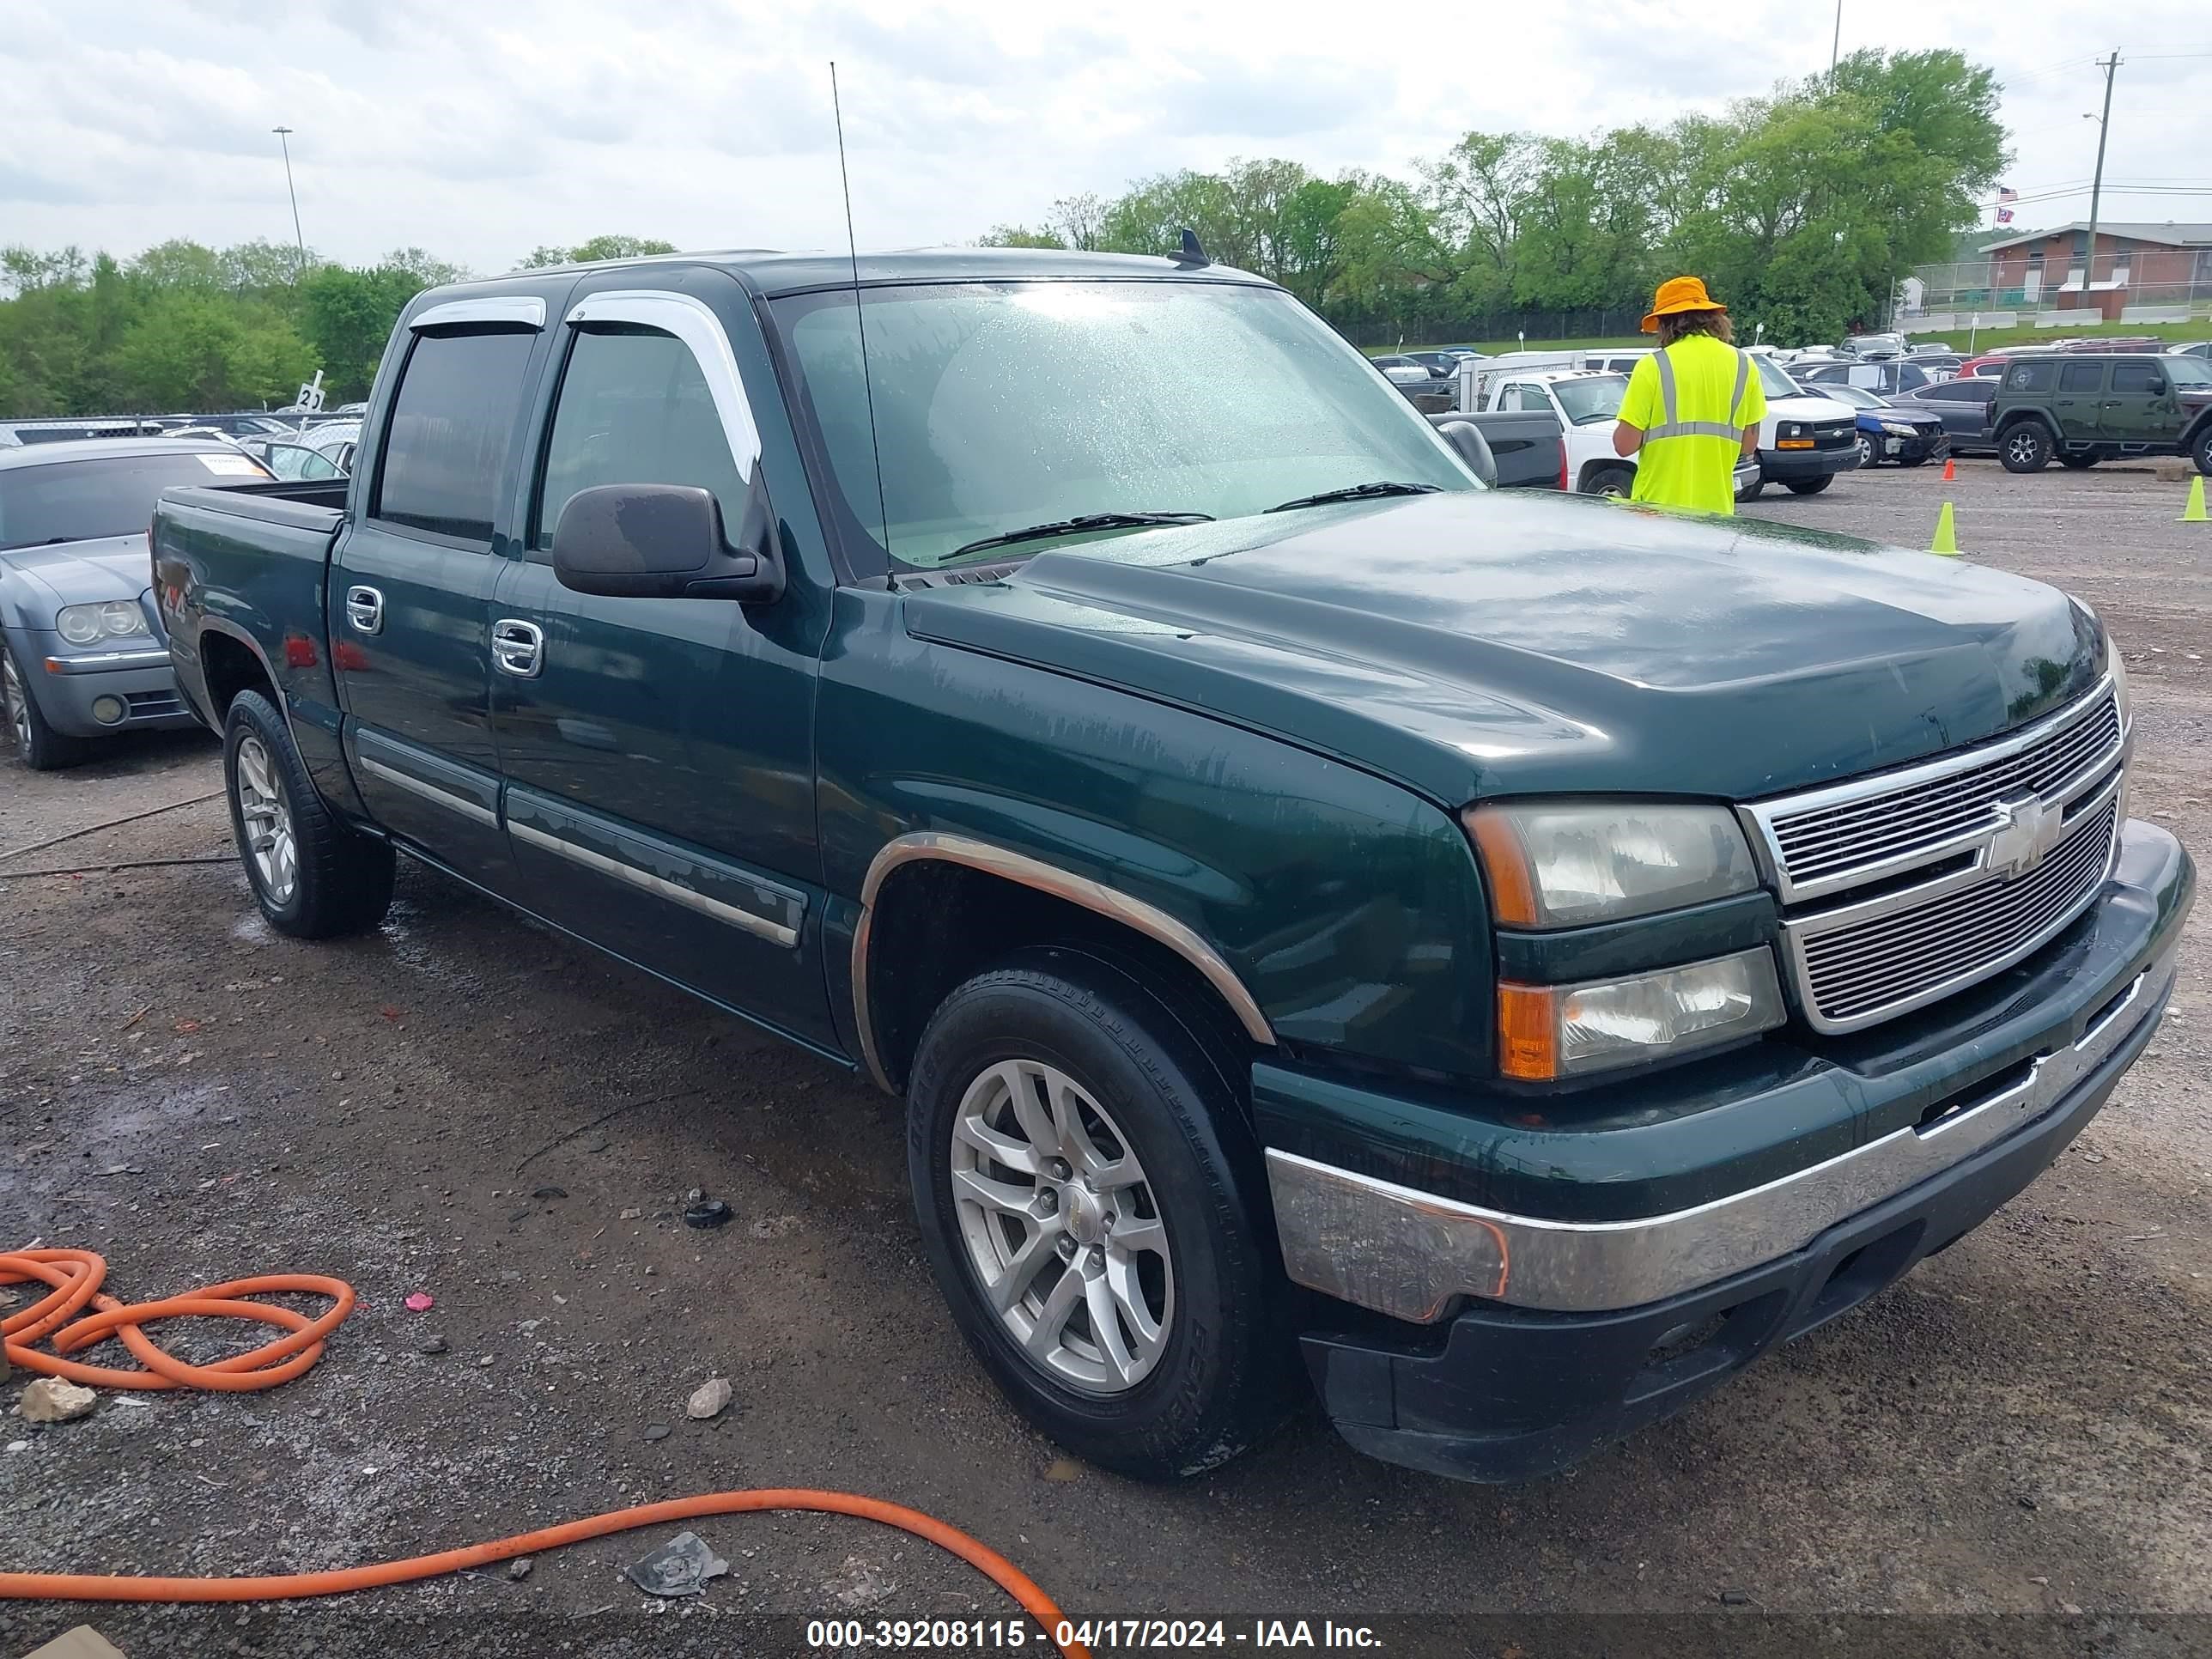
(2025, 447)
(38, 745)
(313, 876)
(1618, 481)
(1866, 451)
(1810, 486)
(1095, 1215)
(2201, 451)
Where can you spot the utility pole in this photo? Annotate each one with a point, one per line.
(284, 138)
(1835, 45)
(2111, 66)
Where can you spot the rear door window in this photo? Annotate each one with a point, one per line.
(452, 420)
(2032, 377)
(2082, 377)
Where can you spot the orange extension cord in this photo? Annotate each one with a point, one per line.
(76, 1276)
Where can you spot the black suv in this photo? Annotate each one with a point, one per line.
(2082, 408)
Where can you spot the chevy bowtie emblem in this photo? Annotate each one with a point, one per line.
(2028, 828)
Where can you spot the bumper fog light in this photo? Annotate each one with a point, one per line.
(109, 711)
(1548, 1031)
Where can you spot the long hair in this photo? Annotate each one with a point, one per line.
(1714, 323)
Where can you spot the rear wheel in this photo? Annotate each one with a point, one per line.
(1096, 1217)
(38, 745)
(312, 876)
(2025, 447)
(2201, 451)
(1810, 486)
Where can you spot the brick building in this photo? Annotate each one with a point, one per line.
(2135, 264)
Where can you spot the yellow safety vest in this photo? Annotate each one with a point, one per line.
(1688, 457)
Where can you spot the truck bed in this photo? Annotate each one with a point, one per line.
(247, 562)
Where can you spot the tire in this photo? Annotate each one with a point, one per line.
(2200, 451)
(312, 876)
(1753, 490)
(1207, 1380)
(1616, 480)
(2079, 463)
(1867, 459)
(2025, 447)
(37, 744)
(1809, 486)
(1914, 460)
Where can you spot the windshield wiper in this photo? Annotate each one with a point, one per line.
(1355, 493)
(1078, 525)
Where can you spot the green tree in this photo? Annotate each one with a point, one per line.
(598, 247)
(192, 350)
(1020, 236)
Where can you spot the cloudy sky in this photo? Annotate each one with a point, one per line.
(481, 129)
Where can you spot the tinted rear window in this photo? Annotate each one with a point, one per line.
(2031, 377)
(84, 501)
(445, 448)
(2082, 377)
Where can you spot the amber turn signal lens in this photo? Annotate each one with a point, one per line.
(1527, 1031)
(1505, 861)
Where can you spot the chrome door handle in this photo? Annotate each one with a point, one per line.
(365, 609)
(518, 647)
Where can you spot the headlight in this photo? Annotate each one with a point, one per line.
(1551, 1032)
(84, 624)
(1899, 429)
(1558, 864)
(1790, 429)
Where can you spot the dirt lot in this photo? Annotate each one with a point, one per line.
(465, 1106)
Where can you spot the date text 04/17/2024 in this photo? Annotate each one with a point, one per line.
(1098, 1634)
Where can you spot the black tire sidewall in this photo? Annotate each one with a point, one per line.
(253, 715)
(2202, 451)
(1213, 1388)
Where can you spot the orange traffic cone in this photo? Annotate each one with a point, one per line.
(1950, 471)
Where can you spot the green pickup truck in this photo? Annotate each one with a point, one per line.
(1522, 956)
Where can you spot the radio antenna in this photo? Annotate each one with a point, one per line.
(860, 312)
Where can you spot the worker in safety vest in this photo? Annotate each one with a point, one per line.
(1692, 407)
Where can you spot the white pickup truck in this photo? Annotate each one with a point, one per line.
(1804, 442)
(1586, 404)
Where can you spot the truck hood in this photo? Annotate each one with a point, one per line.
(76, 572)
(1481, 643)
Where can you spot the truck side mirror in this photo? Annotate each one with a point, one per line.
(662, 542)
(1473, 448)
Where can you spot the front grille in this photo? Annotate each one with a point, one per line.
(1828, 844)
(1858, 973)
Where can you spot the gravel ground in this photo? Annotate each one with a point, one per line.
(462, 1106)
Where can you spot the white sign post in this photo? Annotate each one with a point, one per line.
(310, 400)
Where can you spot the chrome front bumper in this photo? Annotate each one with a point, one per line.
(1413, 1255)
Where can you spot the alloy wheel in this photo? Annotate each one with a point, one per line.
(2023, 448)
(1866, 451)
(267, 817)
(1062, 1227)
(16, 703)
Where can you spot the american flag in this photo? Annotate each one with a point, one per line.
(2005, 193)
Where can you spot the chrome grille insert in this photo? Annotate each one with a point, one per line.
(1833, 839)
(1901, 889)
(1859, 972)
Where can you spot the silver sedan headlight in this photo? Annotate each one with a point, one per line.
(89, 624)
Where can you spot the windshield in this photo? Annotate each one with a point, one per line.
(84, 501)
(1596, 398)
(1000, 405)
(1776, 383)
(2189, 370)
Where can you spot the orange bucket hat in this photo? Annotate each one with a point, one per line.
(1680, 294)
